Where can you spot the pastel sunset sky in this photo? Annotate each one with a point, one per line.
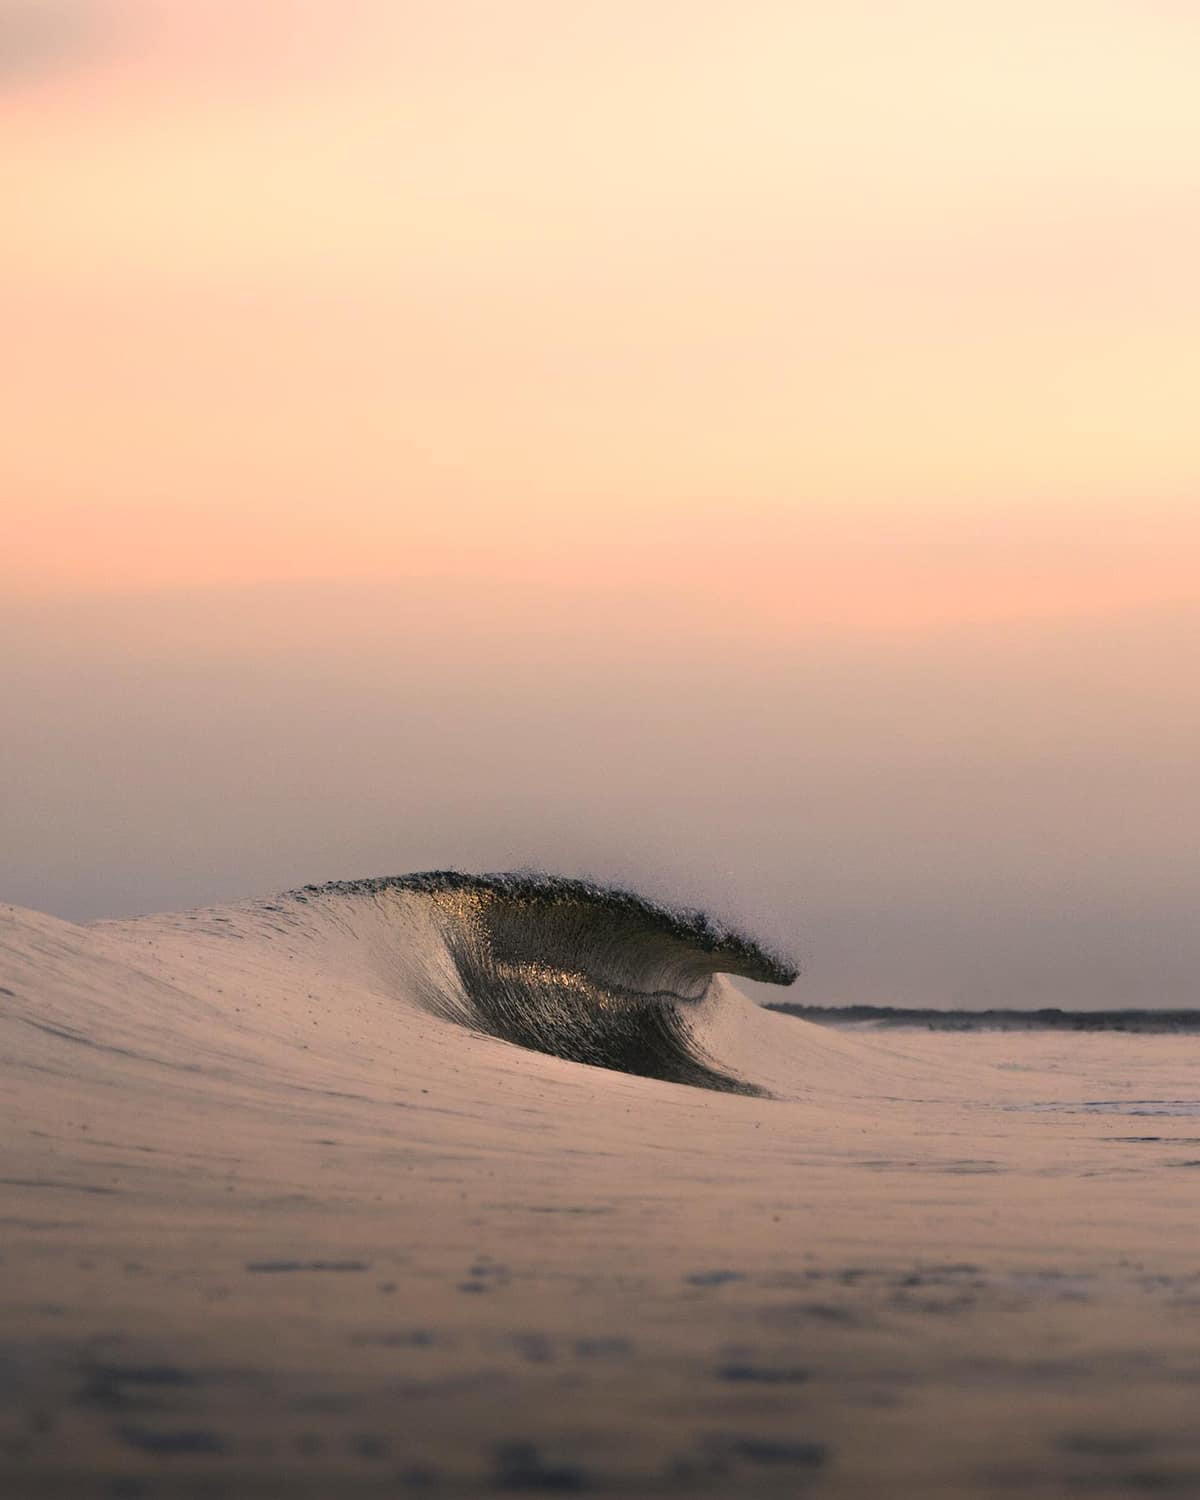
(749, 449)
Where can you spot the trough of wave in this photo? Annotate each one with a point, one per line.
(585, 972)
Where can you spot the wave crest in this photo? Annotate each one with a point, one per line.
(590, 973)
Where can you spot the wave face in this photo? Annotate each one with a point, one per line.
(584, 972)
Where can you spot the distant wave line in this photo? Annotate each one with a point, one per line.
(1052, 1018)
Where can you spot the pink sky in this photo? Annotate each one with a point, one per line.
(905, 292)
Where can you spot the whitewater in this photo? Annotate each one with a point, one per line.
(458, 1185)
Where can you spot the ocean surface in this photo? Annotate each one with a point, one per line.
(458, 1186)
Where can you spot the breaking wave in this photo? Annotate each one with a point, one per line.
(585, 972)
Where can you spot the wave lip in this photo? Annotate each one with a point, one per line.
(591, 973)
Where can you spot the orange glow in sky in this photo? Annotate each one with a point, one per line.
(885, 314)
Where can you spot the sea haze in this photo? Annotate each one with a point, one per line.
(948, 819)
